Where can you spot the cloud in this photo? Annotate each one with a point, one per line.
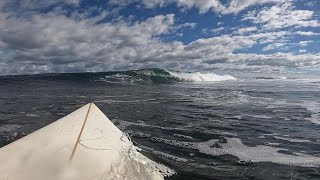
(282, 15)
(57, 43)
(54, 41)
(232, 7)
(305, 43)
(186, 25)
(217, 30)
(24, 6)
(311, 3)
(246, 30)
(235, 6)
(307, 33)
(220, 23)
(273, 46)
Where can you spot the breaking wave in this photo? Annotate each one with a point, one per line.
(162, 76)
(142, 76)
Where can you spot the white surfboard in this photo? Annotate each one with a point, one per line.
(63, 151)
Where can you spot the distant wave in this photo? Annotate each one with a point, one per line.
(276, 77)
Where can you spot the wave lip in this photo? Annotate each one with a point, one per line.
(200, 77)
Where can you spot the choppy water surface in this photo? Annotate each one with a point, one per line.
(244, 128)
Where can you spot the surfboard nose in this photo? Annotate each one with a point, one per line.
(95, 145)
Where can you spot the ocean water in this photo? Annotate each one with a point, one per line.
(201, 125)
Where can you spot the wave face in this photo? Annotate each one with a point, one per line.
(162, 76)
(143, 76)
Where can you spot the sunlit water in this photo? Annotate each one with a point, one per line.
(249, 128)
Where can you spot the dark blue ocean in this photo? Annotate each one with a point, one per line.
(203, 126)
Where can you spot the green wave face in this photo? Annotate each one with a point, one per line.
(143, 76)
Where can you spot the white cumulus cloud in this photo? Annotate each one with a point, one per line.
(282, 15)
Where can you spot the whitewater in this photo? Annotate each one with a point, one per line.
(200, 77)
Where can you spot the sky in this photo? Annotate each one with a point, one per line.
(57, 36)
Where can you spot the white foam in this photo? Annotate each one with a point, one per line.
(123, 125)
(182, 136)
(272, 144)
(313, 107)
(31, 115)
(235, 147)
(201, 77)
(261, 116)
(162, 154)
(291, 139)
(9, 127)
(169, 156)
(281, 77)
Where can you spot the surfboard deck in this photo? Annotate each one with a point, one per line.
(103, 152)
